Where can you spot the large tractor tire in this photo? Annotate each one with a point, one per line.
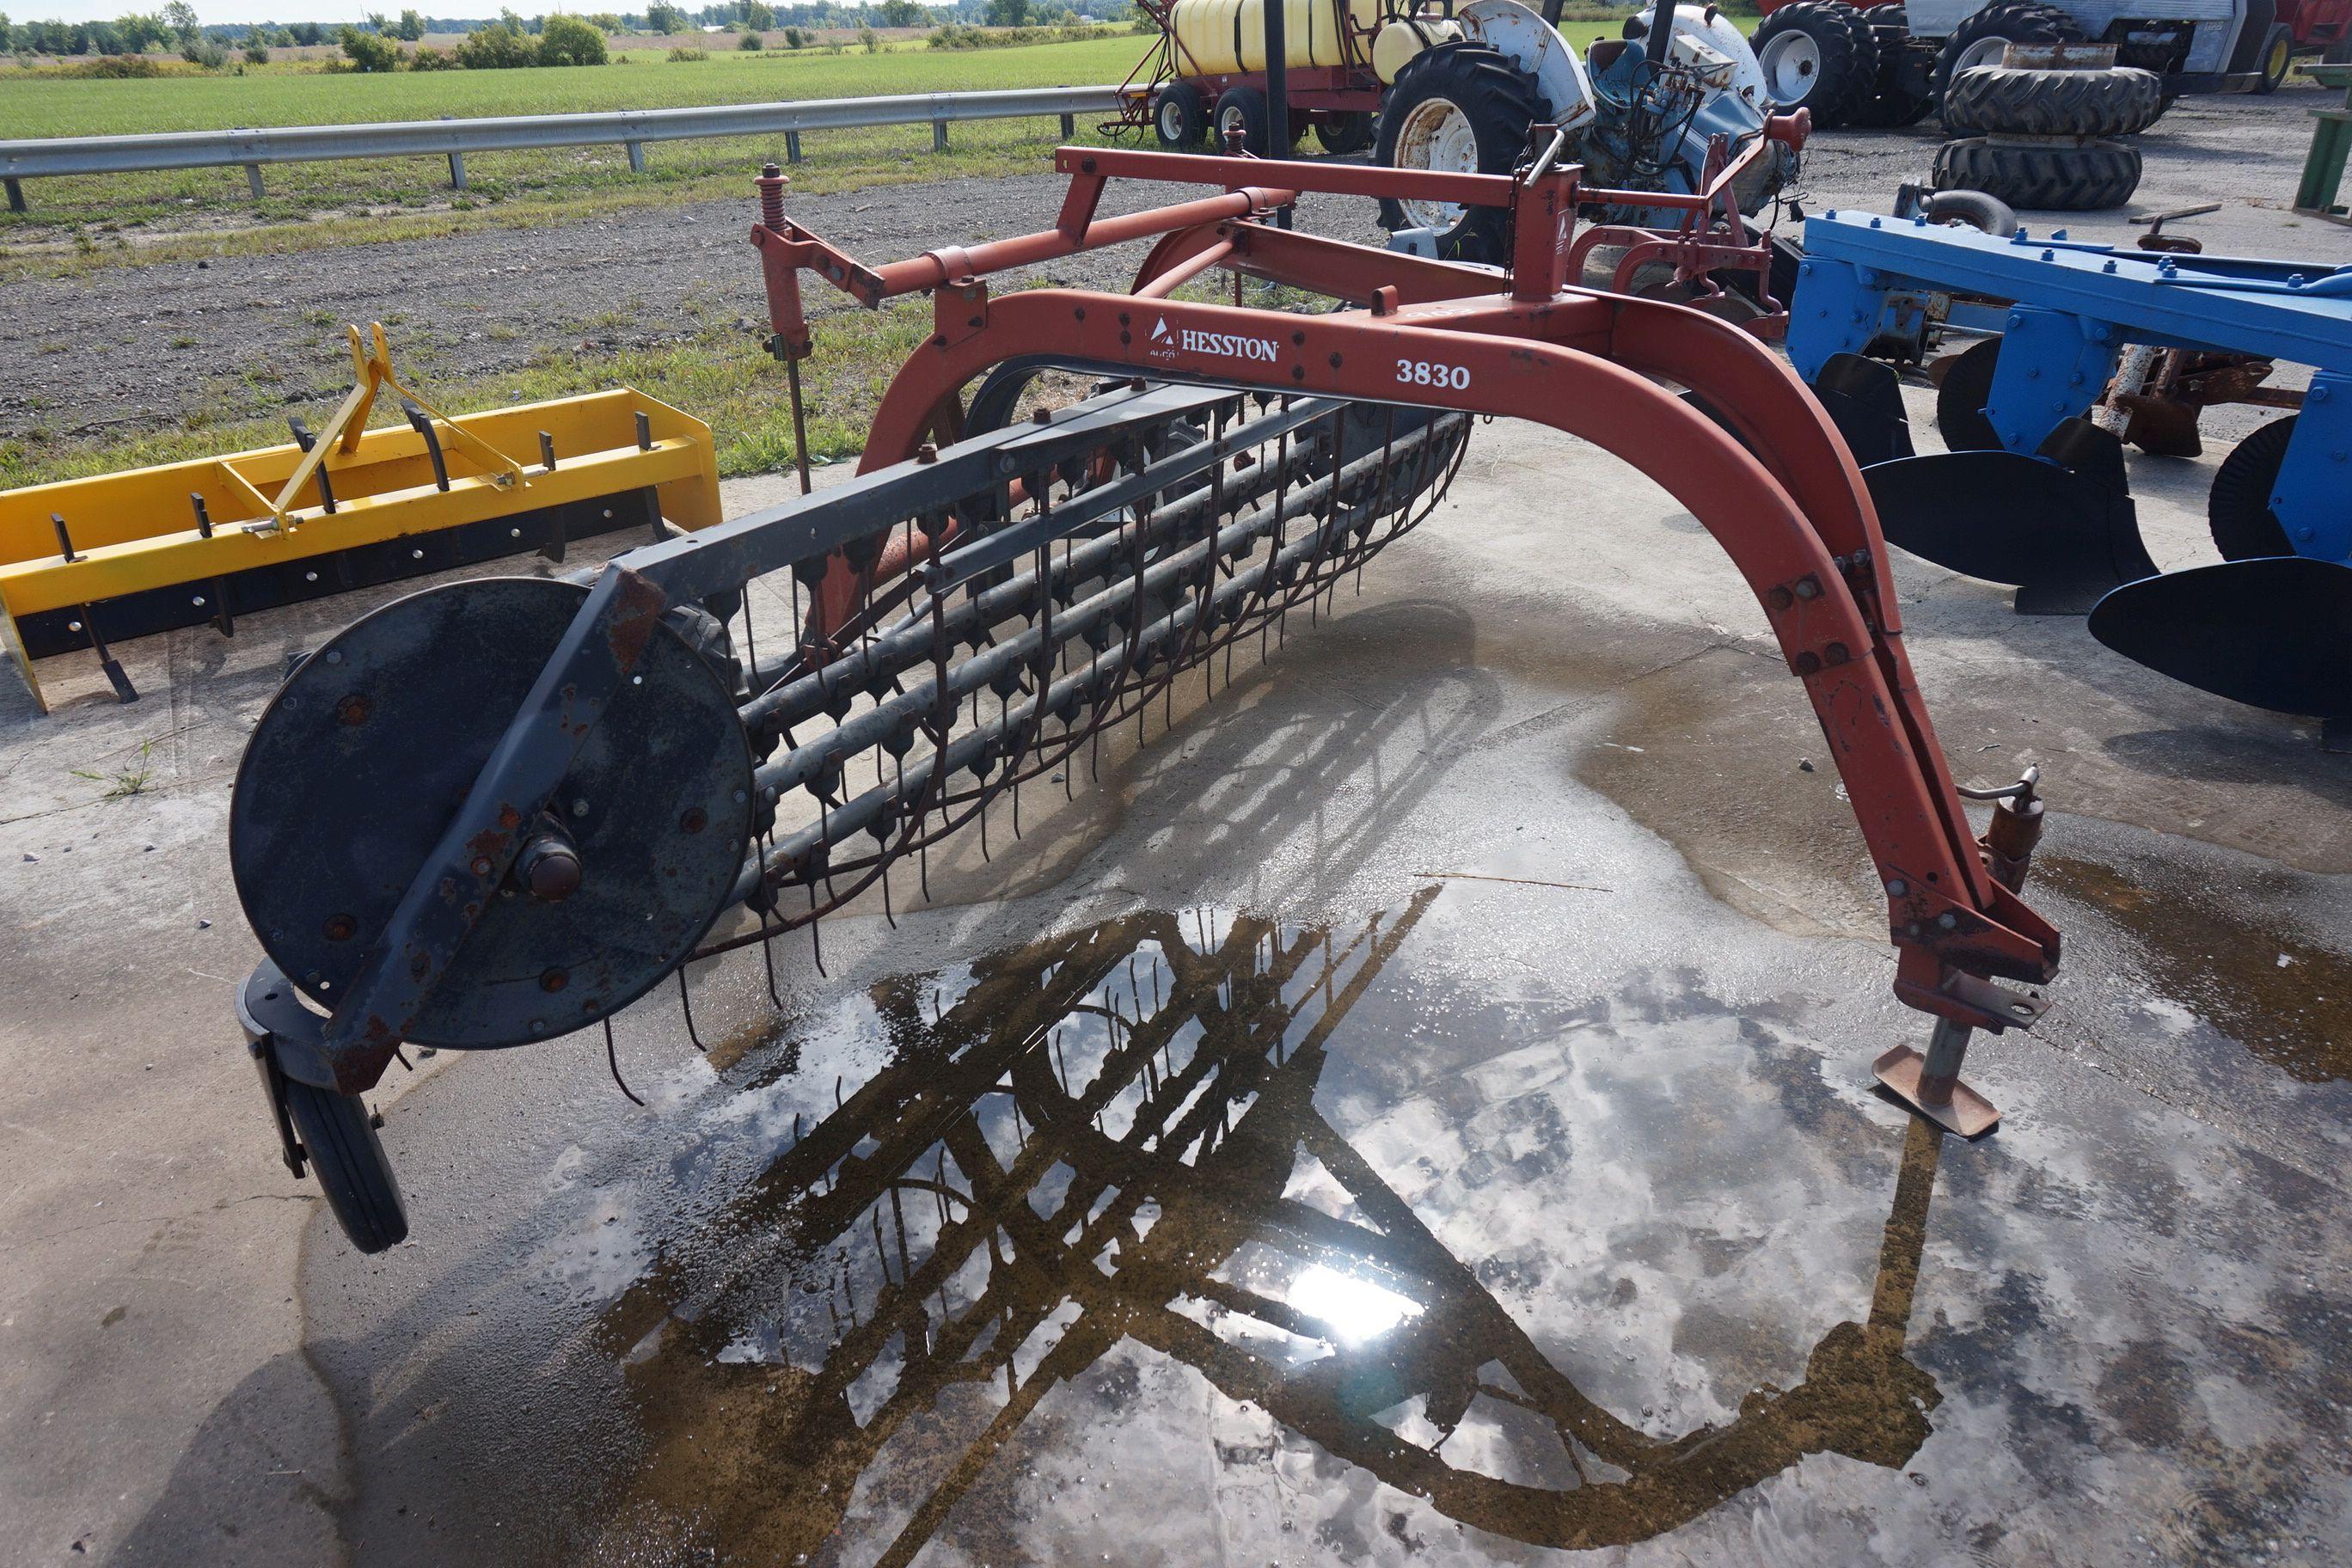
(2044, 177)
(1819, 55)
(1179, 117)
(2003, 100)
(1900, 96)
(2238, 509)
(1979, 40)
(1459, 109)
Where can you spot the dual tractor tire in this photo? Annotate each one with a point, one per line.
(1979, 40)
(1820, 55)
(2005, 100)
(2047, 176)
(1461, 108)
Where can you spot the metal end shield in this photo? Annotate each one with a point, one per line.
(2272, 633)
(2061, 537)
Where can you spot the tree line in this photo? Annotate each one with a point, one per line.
(176, 29)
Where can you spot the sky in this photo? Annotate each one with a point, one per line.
(212, 11)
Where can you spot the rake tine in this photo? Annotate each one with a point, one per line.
(687, 1002)
(612, 1060)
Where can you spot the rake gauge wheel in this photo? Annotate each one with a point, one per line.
(367, 751)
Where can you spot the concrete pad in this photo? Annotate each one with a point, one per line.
(1597, 1111)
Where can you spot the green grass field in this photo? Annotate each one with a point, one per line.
(75, 224)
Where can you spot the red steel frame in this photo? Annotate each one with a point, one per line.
(1783, 496)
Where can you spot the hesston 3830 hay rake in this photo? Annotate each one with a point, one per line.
(497, 812)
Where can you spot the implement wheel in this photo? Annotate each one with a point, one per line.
(1342, 134)
(1460, 109)
(2239, 509)
(1243, 109)
(339, 1140)
(1180, 118)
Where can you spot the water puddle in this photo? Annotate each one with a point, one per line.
(1117, 1243)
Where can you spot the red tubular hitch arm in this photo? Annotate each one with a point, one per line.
(1783, 495)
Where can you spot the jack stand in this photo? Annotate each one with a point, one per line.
(1931, 1084)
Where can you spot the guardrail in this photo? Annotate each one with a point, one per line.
(453, 139)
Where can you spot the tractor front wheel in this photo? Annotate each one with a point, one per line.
(1179, 117)
(1459, 109)
(2278, 57)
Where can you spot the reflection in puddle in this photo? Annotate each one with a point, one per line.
(1112, 1137)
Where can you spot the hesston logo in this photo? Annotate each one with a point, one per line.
(1166, 341)
(1227, 345)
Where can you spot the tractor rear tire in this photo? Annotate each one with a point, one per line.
(2239, 508)
(1900, 96)
(2004, 101)
(2044, 177)
(1976, 41)
(1819, 55)
(338, 1138)
(1342, 134)
(1245, 106)
(2277, 58)
(1456, 105)
(1180, 118)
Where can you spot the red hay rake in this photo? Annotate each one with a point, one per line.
(624, 780)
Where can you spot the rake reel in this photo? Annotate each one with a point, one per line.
(640, 778)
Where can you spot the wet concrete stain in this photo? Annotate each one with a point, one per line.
(2280, 994)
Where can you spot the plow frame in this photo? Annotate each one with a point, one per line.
(1777, 490)
(2073, 309)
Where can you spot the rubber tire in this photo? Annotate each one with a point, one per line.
(2277, 50)
(1892, 105)
(1193, 116)
(2339, 53)
(2003, 100)
(2092, 177)
(339, 1137)
(2237, 510)
(1971, 209)
(1848, 77)
(1501, 102)
(1342, 134)
(1247, 104)
(2019, 21)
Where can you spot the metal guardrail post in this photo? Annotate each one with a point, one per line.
(792, 146)
(1070, 126)
(457, 170)
(16, 196)
(939, 135)
(253, 182)
(637, 157)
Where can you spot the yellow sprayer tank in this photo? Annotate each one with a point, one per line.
(1223, 38)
